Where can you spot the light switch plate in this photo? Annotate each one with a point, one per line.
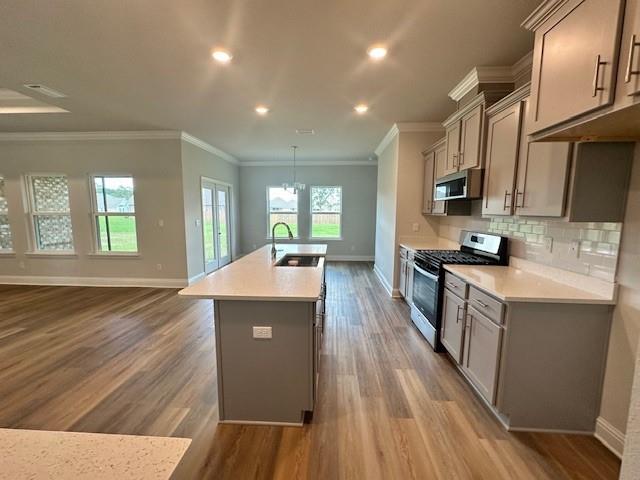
(262, 332)
(548, 244)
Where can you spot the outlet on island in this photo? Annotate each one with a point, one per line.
(262, 332)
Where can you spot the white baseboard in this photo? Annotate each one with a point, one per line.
(350, 258)
(196, 278)
(383, 280)
(92, 281)
(396, 293)
(610, 436)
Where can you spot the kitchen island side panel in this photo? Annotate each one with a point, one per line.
(264, 380)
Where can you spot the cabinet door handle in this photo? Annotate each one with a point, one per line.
(455, 157)
(519, 195)
(458, 319)
(460, 158)
(507, 194)
(482, 304)
(596, 76)
(629, 71)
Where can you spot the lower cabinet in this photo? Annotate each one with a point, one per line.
(403, 277)
(453, 320)
(482, 353)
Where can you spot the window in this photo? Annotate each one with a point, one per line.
(49, 211)
(114, 214)
(282, 206)
(326, 212)
(5, 230)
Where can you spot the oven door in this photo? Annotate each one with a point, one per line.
(425, 294)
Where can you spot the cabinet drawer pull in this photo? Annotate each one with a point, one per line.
(629, 71)
(507, 194)
(482, 304)
(596, 76)
(450, 284)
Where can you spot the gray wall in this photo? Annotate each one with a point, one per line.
(155, 166)
(358, 203)
(198, 163)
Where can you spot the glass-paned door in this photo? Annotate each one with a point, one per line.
(216, 231)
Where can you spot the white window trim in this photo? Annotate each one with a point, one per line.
(311, 213)
(32, 214)
(7, 251)
(97, 253)
(284, 239)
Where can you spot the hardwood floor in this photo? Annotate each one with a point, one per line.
(141, 361)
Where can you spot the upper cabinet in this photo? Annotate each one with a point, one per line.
(550, 179)
(464, 137)
(435, 158)
(586, 68)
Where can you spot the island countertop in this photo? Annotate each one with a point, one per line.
(255, 277)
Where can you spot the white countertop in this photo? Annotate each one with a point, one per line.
(436, 243)
(254, 277)
(511, 284)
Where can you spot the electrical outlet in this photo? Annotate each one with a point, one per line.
(21, 264)
(548, 244)
(159, 266)
(262, 332)
(197, 222)
(416, 227)
(161, 223)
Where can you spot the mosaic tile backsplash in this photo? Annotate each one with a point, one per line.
(5, 231)
(586, 248)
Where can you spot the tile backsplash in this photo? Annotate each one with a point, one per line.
(586, 248)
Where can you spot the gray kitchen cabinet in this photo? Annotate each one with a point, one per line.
(629, 71)
(575, 59)
(453, 321)
(409, 277)
(429, 173)
(464, 131)
(402, 288)
(482, 353)
(503, 133)
(452, 148)
(543, 167)
(440, 151)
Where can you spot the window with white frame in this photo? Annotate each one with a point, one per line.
(49, 212)
(282, 206)
(6, 242)
(114, 213)
(326, 212)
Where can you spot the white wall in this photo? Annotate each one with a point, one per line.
(155, 166)
(358, 184)
(399, 200)
(625, 328)
(198, 163)
(386, 212)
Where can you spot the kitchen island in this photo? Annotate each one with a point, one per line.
(268, 320)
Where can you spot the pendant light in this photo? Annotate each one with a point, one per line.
(295, 185)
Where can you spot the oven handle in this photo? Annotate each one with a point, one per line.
(425, 273)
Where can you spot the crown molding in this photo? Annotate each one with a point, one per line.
(523, 67)
(386, 140)
(542, 13)
(420, 127)
(479, 75)
(209, 148)
(70, 136)
(311, 163)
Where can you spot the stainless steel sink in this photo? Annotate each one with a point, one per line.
(298, 261)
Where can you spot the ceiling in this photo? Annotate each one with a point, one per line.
(146, 65)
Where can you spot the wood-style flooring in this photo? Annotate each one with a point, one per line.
(142, 361)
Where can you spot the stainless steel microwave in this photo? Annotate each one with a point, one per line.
(460, 185)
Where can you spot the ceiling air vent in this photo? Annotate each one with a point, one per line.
(305, 131)
(44, 90)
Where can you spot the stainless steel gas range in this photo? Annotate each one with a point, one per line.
(428, 279)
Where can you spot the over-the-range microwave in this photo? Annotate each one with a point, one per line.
(460, 185)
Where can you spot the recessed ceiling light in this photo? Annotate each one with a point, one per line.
(262, 110)
(377, 52)
(361, 108)
(221, 56)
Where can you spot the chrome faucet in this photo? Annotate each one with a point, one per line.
(273, 237)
